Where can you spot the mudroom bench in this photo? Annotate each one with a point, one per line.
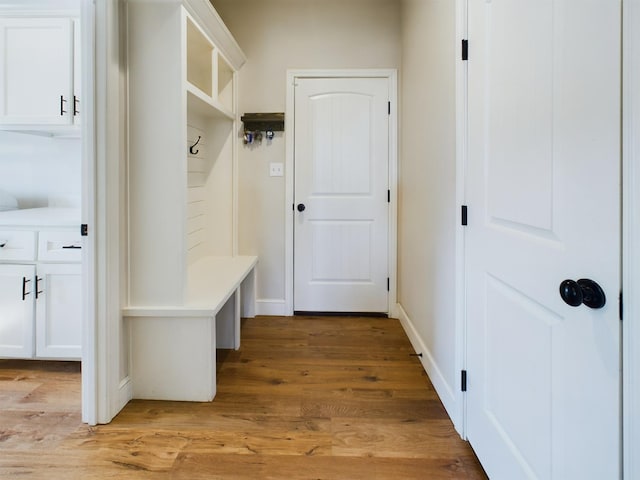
(173, 348)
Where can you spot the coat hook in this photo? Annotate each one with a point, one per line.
(192, 146)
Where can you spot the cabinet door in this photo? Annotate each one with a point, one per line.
(16, 310)
(59, 311)
(36, 71)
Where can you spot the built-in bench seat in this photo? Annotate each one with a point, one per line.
(173, 348)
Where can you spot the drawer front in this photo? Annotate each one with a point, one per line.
(59, 246)
(17, 245)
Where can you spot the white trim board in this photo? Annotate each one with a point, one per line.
(447, 395)
(631, 239)
(90, 363)
(271, 307)
(460, 399)
(103, 392)
(292, 75)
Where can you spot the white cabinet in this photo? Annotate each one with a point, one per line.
(182, 117)
(58, 311)
(39, 79)
(184, 272)
(40, 294)
(16, 310)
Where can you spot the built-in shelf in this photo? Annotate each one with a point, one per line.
(198, 102)
(200, 55)
(182, 215)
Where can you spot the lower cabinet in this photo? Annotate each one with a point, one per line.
(41, 311)
(58, 296)
(16, 311)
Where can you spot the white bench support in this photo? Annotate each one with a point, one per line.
(173, 349)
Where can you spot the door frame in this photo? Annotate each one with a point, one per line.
(630, 239)
(104, 394)
(292, 75)
(89, 375)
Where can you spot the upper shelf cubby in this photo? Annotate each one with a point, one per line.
(200, 57)
(210, 77)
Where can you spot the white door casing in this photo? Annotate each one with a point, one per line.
(342, 179)
(544, 206)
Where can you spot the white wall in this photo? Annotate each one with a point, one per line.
(35, 169)
(277, 35)
(428, 213)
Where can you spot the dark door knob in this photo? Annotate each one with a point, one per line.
(301, 207)
(583, 291)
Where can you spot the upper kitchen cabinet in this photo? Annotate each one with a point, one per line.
(39, 72)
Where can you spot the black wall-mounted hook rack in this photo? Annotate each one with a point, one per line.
(194, 145)
(263, 122)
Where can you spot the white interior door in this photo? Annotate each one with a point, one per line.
(543, 194)
(341, 182)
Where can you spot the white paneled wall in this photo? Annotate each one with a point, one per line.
(196, 196)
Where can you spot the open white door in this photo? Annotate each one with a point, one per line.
(341, 225)
(543, 398)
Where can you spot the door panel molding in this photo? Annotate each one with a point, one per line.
(292, 76)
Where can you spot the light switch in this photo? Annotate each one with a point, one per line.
(276, 169)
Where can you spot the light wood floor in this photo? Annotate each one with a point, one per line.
(304, 398)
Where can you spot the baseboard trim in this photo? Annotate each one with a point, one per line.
(443, 389)
(271, 307)
(125, 393)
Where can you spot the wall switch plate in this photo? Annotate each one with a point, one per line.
(276, 169)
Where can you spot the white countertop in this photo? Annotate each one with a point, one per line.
(41, 217)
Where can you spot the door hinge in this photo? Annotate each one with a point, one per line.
(465, 49)
(84, 230)
(389, 108)
(463, 380)
(620, 307)
(464, 219)
(388, 284)
(388, 196)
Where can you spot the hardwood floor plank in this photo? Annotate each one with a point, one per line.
(194, 466)
(304, 398)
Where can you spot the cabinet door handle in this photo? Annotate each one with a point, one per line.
(3, 243)
(38, 292)
(25, 280)
(73, 247)
(62, 102)
(76, 102)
